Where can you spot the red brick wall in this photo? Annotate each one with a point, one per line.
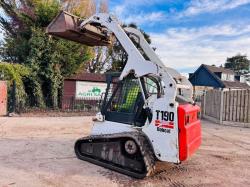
(3, 98)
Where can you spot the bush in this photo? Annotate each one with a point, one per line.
(15, 74)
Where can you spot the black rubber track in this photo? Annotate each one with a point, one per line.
(142, 142)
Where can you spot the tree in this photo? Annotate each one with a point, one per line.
(81, 8)
(119, 57)
(50, 59)
(239, 63)
(17, 22)
(111, 58)
(15, 73)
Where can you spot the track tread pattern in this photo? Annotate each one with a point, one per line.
(143, 143)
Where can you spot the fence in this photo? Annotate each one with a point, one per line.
(85, 105)
(227, 107)
(23, 104)
(67, 105)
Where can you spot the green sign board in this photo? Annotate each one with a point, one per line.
(89, 90)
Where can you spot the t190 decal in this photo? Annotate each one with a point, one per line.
(164, 121)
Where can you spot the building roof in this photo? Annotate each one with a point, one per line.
(236, 84)
(83, 76)
(215, 69)
(205, 76)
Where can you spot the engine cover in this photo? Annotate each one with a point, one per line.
(189, 130)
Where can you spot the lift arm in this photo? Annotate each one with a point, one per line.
(97, 29)
(135, 60)
(182, 82)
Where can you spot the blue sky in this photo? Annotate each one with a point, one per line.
(189, 33)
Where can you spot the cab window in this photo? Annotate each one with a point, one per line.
(153, 86)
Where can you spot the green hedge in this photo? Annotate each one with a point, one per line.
(27, 87)
(15, 73)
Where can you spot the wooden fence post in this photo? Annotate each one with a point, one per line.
(248, 106)
(221, 106)
(204, 105)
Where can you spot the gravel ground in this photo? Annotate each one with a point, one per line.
(39, 152)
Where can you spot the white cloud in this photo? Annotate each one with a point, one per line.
(119, 10)
(145, 18)
(186, 48)
(130, 11)
(142, 2)
(133, 9)
(203, 6)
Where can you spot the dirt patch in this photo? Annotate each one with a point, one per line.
(38, 151)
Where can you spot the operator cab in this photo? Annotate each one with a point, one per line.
(124, 100)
